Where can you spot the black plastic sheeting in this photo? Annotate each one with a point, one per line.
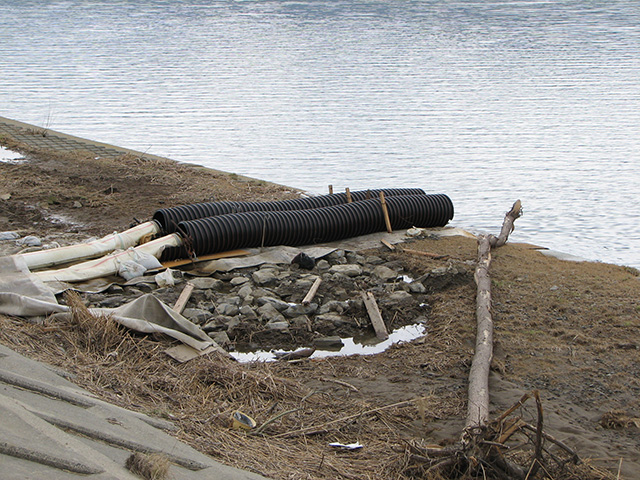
(169, 218)
(304, 227)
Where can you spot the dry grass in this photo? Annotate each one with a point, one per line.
(153, 466)
(93, 335)
(618, 419)
(200, 397)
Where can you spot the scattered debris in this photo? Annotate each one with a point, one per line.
(347, 446)
(242, 421)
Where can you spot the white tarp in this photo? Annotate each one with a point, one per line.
(22, 294)
(284, 255)
(95, 248)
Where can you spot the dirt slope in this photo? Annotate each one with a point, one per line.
(571, 330)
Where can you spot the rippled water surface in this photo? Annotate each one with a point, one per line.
(487, 101)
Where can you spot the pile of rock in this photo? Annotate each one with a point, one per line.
(261, 307)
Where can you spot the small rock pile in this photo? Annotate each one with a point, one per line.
(261, 307)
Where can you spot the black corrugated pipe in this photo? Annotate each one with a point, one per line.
(169, 218)
(303, 227)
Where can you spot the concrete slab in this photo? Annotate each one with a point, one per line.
(53, 429)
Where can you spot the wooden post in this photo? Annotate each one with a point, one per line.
(385, 212)
(330, 189)
(312, 291)
(375, 316)
(183, 298)
(349, 199)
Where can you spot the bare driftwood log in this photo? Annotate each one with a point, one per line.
(478, 400)
(482, 451)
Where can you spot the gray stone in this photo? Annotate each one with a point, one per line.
(276, 302)
(302, 321)
(323, 265)
(235, 281)
(30, 241)
(8, 236)
(248, 300)
(135, 293)
(227, 309)
(231, 300)
(333, 318)
(245, 291)
(340, 293)
(332, 343)
(265, 277)
(350, 270)
(384, 273)
(269, 313)
(333, 306)
(399, 296)
(373, 260)
(336, 256)
(218, 324)
(264, 292)
(299, 309)
(280, 325)
(233, 323)
(196, 315)
(248, 313)
(303, 284)
(145, 287)
(221, 338)
(206, 283)
(112, 302)
(417, 287)
(353, 257)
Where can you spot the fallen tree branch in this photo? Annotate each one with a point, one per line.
(478, 399)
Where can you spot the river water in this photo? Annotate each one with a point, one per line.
(487, 101)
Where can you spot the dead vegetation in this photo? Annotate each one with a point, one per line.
(154, 466)
(296, 419)
(569, 330)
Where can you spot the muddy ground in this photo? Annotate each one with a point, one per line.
(570, 330)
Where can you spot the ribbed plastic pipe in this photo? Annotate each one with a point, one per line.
(303, 227)
(169, 218)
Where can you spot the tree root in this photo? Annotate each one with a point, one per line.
(504, 448)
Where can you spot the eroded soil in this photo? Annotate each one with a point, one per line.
(571, 330)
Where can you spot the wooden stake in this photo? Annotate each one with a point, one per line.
(349, 199)
(385, 212)
(312, 291)
(183, 298)
(374, 314)
(388, 245)
(330, 189)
